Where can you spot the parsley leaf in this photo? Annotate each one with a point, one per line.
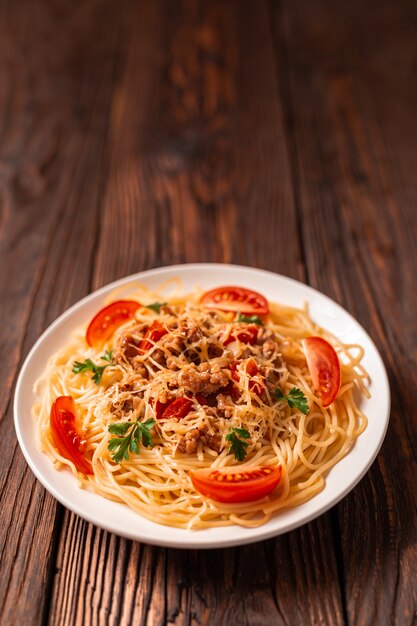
(120, 428)
(254, 319)
(108, 356)
(295, 398)
(80, 367)
(130, 436)
(237, 446)
(156, 306)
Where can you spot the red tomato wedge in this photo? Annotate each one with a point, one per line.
(152, 335)
(324, 366)
(232, 298)
(179, 408)
(103, 325)
(65, 435)
(256, 381)
(247, 335)
(232, 484)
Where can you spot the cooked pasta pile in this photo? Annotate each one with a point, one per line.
(224, 372)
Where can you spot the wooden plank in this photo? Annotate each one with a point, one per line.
(198, 171)
(51, 100)
(353, 98)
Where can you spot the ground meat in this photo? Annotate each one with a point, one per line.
(127, 350)
(194, 334)
(208, 401)
(246, 353)
(193, 356)
(189, 442)
(172, 363)
(269, 348)
(190, 331)
(263, 335)
(214, 349)
(140, 369)
(130, 403)
(225, 404)
(212, 441)
(164, 396)
(174, 344)
(272, 378)
(158, 356)
(202, 379)
(129, 386)
(122, 407)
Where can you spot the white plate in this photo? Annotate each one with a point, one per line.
(118, 518)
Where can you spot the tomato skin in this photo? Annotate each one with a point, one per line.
(178, 408)
(65, 436)
(245, 485)
(247, 335)
(159, 408)
(252, 369)
(324, 367)
(231, 390)
(154, 333)
(105, 322)
(211, 398)
(201, 399)
(232, 298)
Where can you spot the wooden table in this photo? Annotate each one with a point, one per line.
(281, 135)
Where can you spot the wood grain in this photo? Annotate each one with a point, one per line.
(278, 135)
(357, 233)
(52, 168)
(188, 152)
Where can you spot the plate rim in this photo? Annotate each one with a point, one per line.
(194, 539)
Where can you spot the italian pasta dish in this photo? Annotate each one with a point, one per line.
(209, 409)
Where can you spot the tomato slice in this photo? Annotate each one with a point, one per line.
(103, 325)
(152, 335)
(232, 298)
(255, 382)
(324, 366)
(232, 484)
(66, 438)
(178, 408)
(248, 335)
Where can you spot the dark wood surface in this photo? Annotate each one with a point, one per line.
(281, 135)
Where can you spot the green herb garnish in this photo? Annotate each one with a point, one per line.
(88, 366)
(156, 306)
(237, 446)
(295, 398)
(130, 436)
(254, 319)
